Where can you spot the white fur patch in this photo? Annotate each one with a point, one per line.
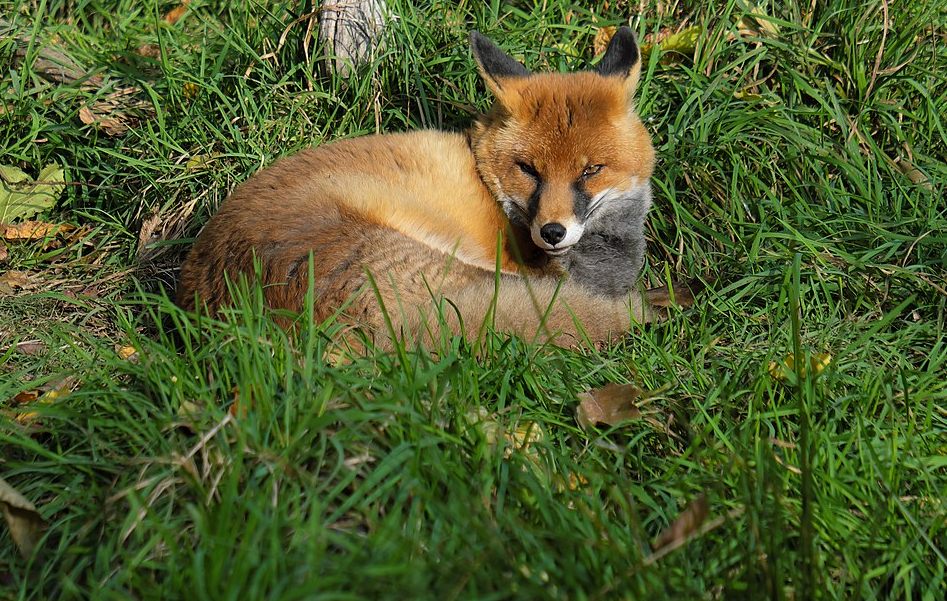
(574, 231)
(613, 195)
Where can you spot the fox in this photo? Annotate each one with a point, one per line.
(531, 221)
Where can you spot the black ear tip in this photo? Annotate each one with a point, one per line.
(626, 35)
(477, 39)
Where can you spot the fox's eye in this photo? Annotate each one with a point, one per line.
(528, 169)
(591, 170)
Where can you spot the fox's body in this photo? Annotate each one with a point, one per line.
(398, 222)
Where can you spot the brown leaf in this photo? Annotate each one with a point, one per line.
(147, 235)
(611, 404)
(110, 125)
(50, 394)
(31, 347)
(913, 173)
(602, 37)
(117, 112)
(677, 294)
(4, 253)
(175, 14)
(148, 51)
(685, 525)
(12, 280)
(34, 230)
(26, 396)
(25, 523)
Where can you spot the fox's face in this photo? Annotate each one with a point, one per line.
(559, 147)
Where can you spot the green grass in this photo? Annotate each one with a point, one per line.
(778, 184)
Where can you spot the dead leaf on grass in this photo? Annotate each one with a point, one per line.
(25, 523)
(25, 396)
(914, 174)
(4, 253)
(53, 64)
(781, 370)
(117, 112)
(175, 14)
(31, 347)
(611, 404)
(148, 234)
(757, 22)
(49, 394)
(128, 353)
(21, 197)
(686, 524)
(677, 294)
(13, 280)
(148, 51)
(34, 230)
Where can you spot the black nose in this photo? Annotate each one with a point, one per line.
(553, 233)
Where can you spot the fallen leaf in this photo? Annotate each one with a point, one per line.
(117, 112)
(34, 230)
(31, 347)
(21, 198)
(611, 404)
(199, 161)
(781, 370)
(52, 63)
(50, 394)
(757, 22)
(148, 51)
(25, 523)
(128, 353)
(675, 295)
(26, 396)
(603, 36)
(683, 42)
(913, 173)
(237, 408)
(671, 43)
(4, 253)
(175, 14)
(685, 525)
(146, 235)
(12, 280)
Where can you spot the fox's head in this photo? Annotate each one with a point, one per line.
(559, 147)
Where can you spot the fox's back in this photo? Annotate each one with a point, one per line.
(408, 207)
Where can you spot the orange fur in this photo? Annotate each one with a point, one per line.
(420, 213)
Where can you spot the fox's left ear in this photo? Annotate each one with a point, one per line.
(495, 65)
(622, 59)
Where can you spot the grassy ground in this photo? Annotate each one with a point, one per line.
(802, 163)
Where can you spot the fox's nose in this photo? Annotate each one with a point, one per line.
(553, 233)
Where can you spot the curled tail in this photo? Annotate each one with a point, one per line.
(543, 311)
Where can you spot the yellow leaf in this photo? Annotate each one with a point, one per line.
(817, 363)
(127, 352)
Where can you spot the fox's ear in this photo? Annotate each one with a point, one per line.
(622, 59)
(495, 65)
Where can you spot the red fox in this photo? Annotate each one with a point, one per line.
(404, 232)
